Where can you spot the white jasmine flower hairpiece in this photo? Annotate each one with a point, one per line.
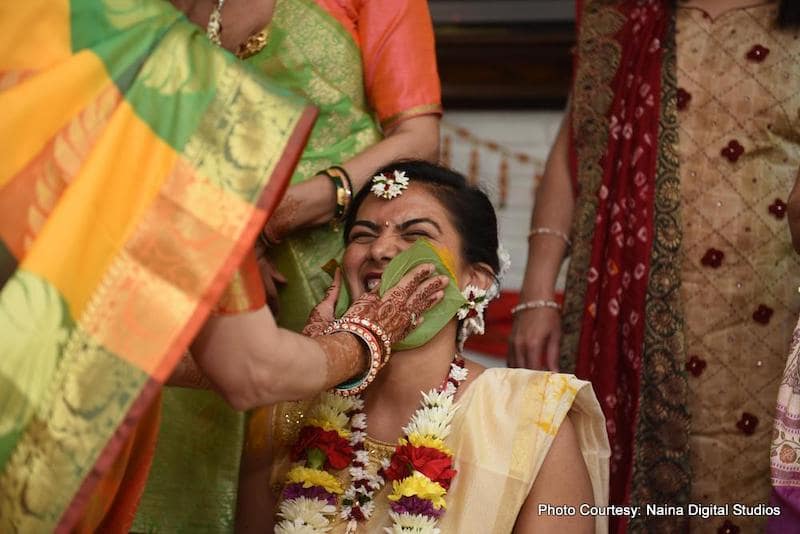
(389, 187)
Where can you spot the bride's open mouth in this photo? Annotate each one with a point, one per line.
(371, 280)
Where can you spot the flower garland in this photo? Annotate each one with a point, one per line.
(311, 493)
(420, 469)
(357, 503)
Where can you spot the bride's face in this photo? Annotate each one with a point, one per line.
(385, 228)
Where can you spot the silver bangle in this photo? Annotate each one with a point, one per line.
(543, 230)
(533, 304)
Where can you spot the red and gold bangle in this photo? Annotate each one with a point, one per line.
(357, 385)
(377, 331)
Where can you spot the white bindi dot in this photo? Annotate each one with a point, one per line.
(386, 224)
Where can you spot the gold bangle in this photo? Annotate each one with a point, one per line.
(344, 190)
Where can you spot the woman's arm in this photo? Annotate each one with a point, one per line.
(536, 333)
(562, 480)
(313, 202)
(251, 362)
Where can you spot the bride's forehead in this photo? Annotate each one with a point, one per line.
(415, 201)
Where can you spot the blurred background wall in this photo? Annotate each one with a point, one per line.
(505, 67)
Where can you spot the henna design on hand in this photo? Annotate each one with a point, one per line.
(323, 313)
(188, 375)
(316, 324)
(346, 356)
(399, 311)
(284, 221)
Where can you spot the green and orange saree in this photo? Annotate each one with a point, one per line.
(365, 65)
(139, 164)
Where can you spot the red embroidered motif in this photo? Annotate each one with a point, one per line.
(733, 151)
(747, 424)
(712, 258)
(696, 365)
(763, 314)
(778, 208)
(758, 53)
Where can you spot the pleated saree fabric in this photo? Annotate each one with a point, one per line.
(139, 162)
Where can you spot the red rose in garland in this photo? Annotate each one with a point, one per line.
(337, 450)
(432, 463)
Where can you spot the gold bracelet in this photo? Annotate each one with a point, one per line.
(544, 230)
(344, 190)
(533, 304)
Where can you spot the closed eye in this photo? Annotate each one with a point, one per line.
(361, 237)
(363, 232)
(416, 234)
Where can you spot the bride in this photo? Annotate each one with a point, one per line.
(479, 451)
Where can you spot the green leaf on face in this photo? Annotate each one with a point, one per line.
(437, 317)
(342, 301)
(422, 251)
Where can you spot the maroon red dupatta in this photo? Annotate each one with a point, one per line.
(626, 233)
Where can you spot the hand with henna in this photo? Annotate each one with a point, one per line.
(400, 310)
(323, 313)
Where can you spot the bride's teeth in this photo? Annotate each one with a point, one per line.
(372, 283)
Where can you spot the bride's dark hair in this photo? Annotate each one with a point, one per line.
(469, 208)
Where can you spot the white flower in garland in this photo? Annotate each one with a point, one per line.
(304, 515)
(389, 187)
(440, 398)
(471, 313)
(298, 528)
(504, 259)
(405, 523)
(359, 420)
(431, 422)
(459, 374)
(340, 403)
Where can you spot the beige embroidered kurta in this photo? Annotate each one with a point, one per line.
(739, 120)
(502, 431)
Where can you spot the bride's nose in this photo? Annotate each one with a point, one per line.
(385, 247)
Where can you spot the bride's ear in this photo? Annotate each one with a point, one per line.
(479, 275)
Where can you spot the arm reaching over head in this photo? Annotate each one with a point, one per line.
(252, 362)
(312, 202)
